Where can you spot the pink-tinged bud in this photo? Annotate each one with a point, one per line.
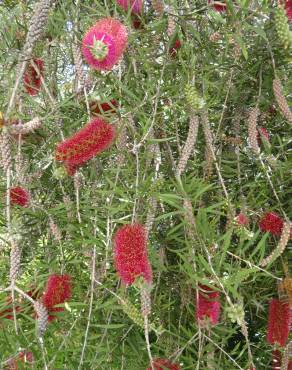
(208, 305)
(90, 140)
(130, 254)
(31, 77)
(104, 43)
(271, 222)
(263, 134)
(134, 5)
(19, 196)
(162, 364)
(58, 290)
(242, 220)
(279, 322)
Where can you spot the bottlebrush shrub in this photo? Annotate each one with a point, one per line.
(134, 5)
(207, 305)
(279, 322)
(217, 5)
(32, 77)
(97, 107)
(162, 364)
(175, 47)
(130, 254)
(90, 140)
(271, 222)
(58, 290)
(104, 43)
(23, 358)
(19, 196)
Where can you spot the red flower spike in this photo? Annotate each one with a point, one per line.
(90, 140)
(32, 79)
(101, 108)
(276, 359)
(58, 290)
(271, 222)
(130, 254)
(134, 5)
(208, 304)
(175, 47)
(162, 364)
(279, 322)
(242, 220)
(263, 133)
(19, 196)
(218, 7)
(288, 7)
(104, 43)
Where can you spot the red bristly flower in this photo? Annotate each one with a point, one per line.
(208, 305)
(97, 107)
(173, 50)
(271, 222)
(162, 364)
(130, 254)
(104, 43)
(134, 5)
(242, 220)
(288, 7)
(32, 77)
(279, 322)
(90, 140)
(58, 290)
(19, 196)
(218, 7)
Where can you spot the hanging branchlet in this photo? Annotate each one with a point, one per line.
(5, 150)
(150, 214)
(158, 6)
(285, 236)
(20, 168)
(145, 295)
(78, 181)
(171, 25)
(79, 65)
(286, 357)
(281, 100)
(252, 130)
(55, 231)
(121, 144)
(15, 258)
(189, 145)
(25, 128)
(36, 27)
(42, 318)
(209, 157)
(190, 219)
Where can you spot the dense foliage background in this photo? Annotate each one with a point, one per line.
(231, 58)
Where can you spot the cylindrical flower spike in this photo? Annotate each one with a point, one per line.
(163, 364)
(90, 140)
(271, 222)
(134, 5)
(32, 77)
(19, 196)
(104, 43)
(279, 322)
(130, 254)
(208, 305)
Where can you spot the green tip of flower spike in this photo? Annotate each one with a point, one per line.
(193, 99)
(99, 49)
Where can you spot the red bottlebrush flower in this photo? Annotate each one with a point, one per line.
(288, 7)
(173, 50)
(208, 304)
(23, 357)
(162, 364)
(58, 290)
(218, 6)
(19, 196)
(279, 322)
(104, 43)
(134, 5)
(263, 133)
(90, 140)
(32, 77)
(242, 220)
(101, 108)
(130, 253)
(271, 222)
(276, 359)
